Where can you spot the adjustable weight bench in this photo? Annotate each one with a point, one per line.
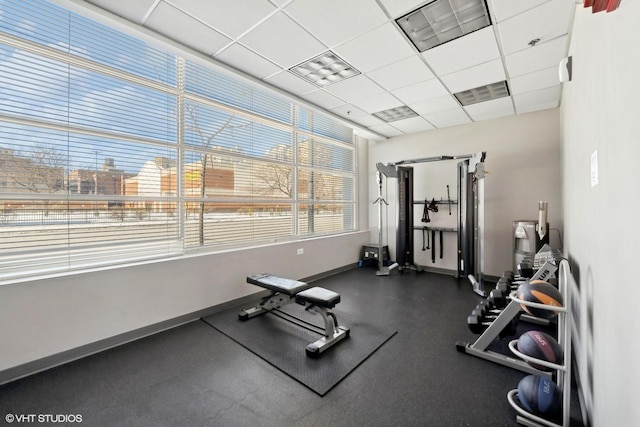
(316, 300)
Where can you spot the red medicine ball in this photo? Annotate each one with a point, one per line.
(540, 292)
(541, 346)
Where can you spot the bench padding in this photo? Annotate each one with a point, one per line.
(319, 296)
(281, 285)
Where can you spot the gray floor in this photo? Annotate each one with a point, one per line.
(193, 375)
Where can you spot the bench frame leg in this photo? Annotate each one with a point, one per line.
(268, 303)
(332, 332)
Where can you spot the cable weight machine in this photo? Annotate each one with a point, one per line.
(470, 215)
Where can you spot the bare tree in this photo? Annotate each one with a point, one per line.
(206, 141)
(41, 171)
(277, 179)
(44, 171)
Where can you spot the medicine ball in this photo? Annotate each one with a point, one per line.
(539, 395)
(541, 346)
(540, 292)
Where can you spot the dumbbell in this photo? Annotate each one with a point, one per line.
(481, 317)
(503, 285)
(525, 268)
(478, 325)
(485, 312)
(486, 305)
(508, 275)
(498, 298)
(506, 288)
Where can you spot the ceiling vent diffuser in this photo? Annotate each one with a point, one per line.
(441, 21)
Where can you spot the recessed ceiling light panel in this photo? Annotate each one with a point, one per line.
(441, 21)
(395, 114)
(324, 69)
(483, 93)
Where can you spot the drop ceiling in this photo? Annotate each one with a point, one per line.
(266, 38)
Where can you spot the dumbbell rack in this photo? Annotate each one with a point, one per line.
(563, 377)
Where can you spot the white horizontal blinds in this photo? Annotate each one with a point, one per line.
(129, 190)
(33, 86)
(318, 218)
(230, 199)
(36, 21)
(116, 105)
(219, 87)
(103, 45)
(33, 161)
(320, 125)
(131, 160)
(113, 151)
(33, 205)
(87, 143)
(326, 202)
(227, 223)
(235, 167)
(270, 106)
(326, 175)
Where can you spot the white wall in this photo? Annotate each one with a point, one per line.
(600, 113)
(44, 317)
(523, 158)
(40, 318)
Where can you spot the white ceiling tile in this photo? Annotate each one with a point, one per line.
(463, 52)
(494, 115)
(398, 8)
(537, 97)
(368, 120)
(291, 83)
(274, 39)
(348, 18)
(421, 91)
(536, 80)
(456, 116)
(412, 125)
(504, 9)
(386, 130)
(544, 22)
(352, 112)
(376, 103)
(375, 49)
(263, 38)
(132, 11)
(231, 17)
(281, 3)
(538, 107)
(323, 99)
(402, 73)
(354, 88)
(171, 22)
(434, 105)
(248, 61)
(536, 58)
(480, 75)
(491, 109)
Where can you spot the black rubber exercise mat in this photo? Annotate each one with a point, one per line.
(282, 344)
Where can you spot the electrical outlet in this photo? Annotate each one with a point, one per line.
(300, 251)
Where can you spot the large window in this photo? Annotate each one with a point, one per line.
(113, 151)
